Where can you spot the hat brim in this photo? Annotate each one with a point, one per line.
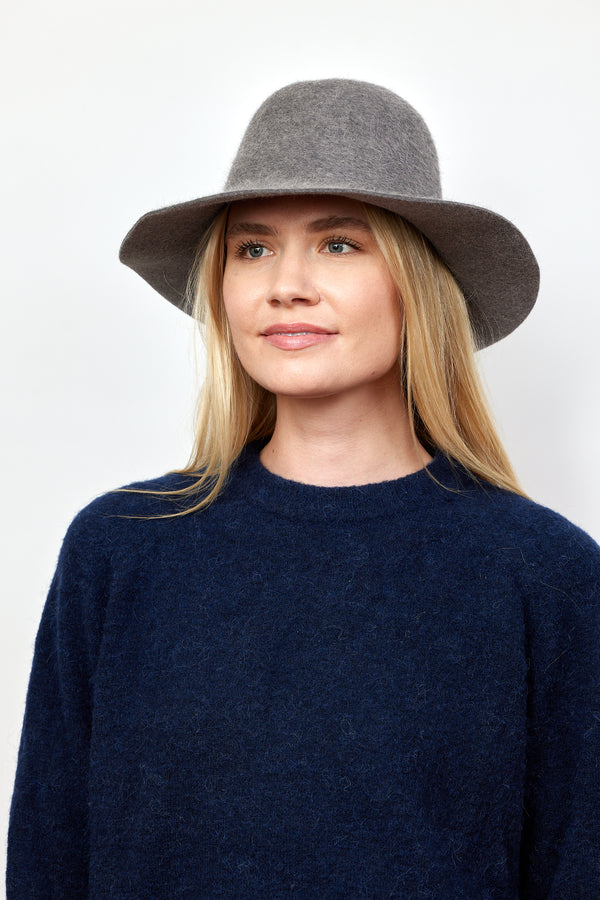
(489, 257)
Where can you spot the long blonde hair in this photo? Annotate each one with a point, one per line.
(446, 402)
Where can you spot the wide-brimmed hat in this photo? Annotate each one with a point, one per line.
(362, 141)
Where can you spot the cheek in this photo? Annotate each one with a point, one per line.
(236, 308)
(384, 318)
(229, 298)
(241, 325)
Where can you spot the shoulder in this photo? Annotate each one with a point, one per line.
(500, 513)
(117, 522)
(537, 527)
(112, 541)
(542, 547)
(153, 497)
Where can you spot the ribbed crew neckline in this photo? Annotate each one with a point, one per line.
(293, 499)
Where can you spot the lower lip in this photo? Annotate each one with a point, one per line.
(297, 341)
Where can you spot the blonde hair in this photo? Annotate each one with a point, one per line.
(447, 405)
(446, 402)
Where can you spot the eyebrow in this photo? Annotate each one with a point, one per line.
(325, 224)
(250, 228)
(328, 222)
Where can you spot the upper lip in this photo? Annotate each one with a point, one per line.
(296, 328)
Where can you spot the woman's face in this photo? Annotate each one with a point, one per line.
(311, 303)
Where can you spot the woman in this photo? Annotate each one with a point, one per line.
(341, 654)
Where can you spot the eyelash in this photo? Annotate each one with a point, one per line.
(342, 240)
(243, 246)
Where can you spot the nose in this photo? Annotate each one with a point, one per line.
(292, 281)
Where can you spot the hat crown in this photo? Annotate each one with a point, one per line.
(337, 134)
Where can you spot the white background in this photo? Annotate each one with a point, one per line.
(113, 108)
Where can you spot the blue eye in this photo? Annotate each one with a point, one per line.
(340, 244)
(255, 251)
(250, 250)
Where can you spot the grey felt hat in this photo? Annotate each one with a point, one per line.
(357, 140)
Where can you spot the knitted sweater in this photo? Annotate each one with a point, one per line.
(361, 692)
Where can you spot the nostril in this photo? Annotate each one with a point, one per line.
(280, 299)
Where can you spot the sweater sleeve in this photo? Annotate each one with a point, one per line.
(48, 832)
(561, 825)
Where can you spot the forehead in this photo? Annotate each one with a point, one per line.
(294, 209)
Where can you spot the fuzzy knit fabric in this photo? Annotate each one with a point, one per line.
(364, 692)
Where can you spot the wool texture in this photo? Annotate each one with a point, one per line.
(363, 692)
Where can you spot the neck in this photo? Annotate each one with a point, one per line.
(340, 441)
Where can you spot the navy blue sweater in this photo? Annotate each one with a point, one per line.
(362, 692)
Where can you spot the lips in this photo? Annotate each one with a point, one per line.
(296, 335)
(295, 328)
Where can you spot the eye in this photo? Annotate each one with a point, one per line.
(251, 250)
(341, 245)
(256, 251)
